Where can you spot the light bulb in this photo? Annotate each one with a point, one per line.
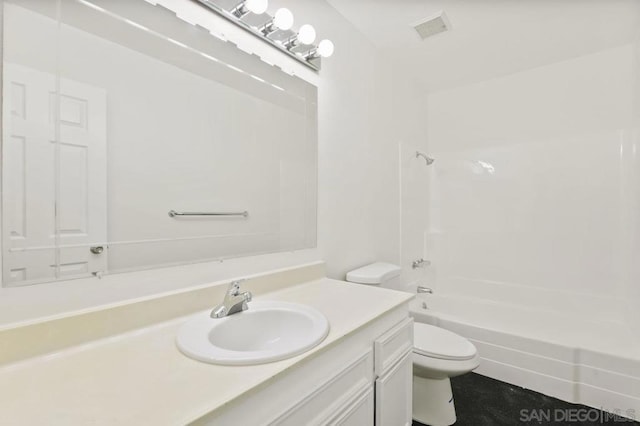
(325, 48)
(283, 19)
(306, 34)
(257, 6)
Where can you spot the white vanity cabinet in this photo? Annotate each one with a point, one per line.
(364, 378)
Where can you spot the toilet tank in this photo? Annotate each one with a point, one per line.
(379, 273)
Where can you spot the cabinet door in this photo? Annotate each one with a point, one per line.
(358, 413)
(393, 394)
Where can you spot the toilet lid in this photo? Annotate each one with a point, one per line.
(439, 343)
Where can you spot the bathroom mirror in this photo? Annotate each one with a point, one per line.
(116, 114)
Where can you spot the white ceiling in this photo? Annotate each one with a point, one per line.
(490, 38)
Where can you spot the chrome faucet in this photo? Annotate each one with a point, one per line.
(420, 263)
(233, 302)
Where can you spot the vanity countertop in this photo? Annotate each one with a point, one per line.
(140, 377)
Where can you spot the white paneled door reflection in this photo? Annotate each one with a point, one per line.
(30, 155)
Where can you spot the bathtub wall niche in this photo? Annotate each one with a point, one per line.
(532, 195)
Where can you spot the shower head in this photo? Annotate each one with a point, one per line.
(429, 160)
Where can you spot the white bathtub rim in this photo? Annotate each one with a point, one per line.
(578, 353)
(576, 348)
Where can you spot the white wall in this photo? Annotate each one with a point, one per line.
(528, 187)
(358, 202)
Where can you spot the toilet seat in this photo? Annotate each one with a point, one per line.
(436, 342)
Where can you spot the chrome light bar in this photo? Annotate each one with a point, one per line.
(276, 30)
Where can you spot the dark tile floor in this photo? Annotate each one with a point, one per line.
(481, 401)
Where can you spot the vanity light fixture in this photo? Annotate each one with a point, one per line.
(306, 34)
(254, 6)
(324, 50)
(282, 20)
(276, 30)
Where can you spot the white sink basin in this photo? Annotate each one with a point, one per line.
(266, 332)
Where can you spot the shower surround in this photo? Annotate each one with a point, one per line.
(533, 219)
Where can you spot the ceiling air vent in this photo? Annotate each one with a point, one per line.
(433, 25)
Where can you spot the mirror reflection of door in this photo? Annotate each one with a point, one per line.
(35, 165)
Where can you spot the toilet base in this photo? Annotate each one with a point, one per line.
(433, 401)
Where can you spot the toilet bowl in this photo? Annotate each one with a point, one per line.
(438, 355)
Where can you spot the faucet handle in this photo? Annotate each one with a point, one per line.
(234, 287)
(423, 289)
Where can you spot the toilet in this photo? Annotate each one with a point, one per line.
(438, 355)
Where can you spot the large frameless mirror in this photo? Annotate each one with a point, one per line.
(132, 139)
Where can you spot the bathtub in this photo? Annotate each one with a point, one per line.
(578, 357)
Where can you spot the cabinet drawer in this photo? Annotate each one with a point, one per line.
(331, 396)
(393, 345)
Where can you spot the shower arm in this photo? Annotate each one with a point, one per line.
(429, 160)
